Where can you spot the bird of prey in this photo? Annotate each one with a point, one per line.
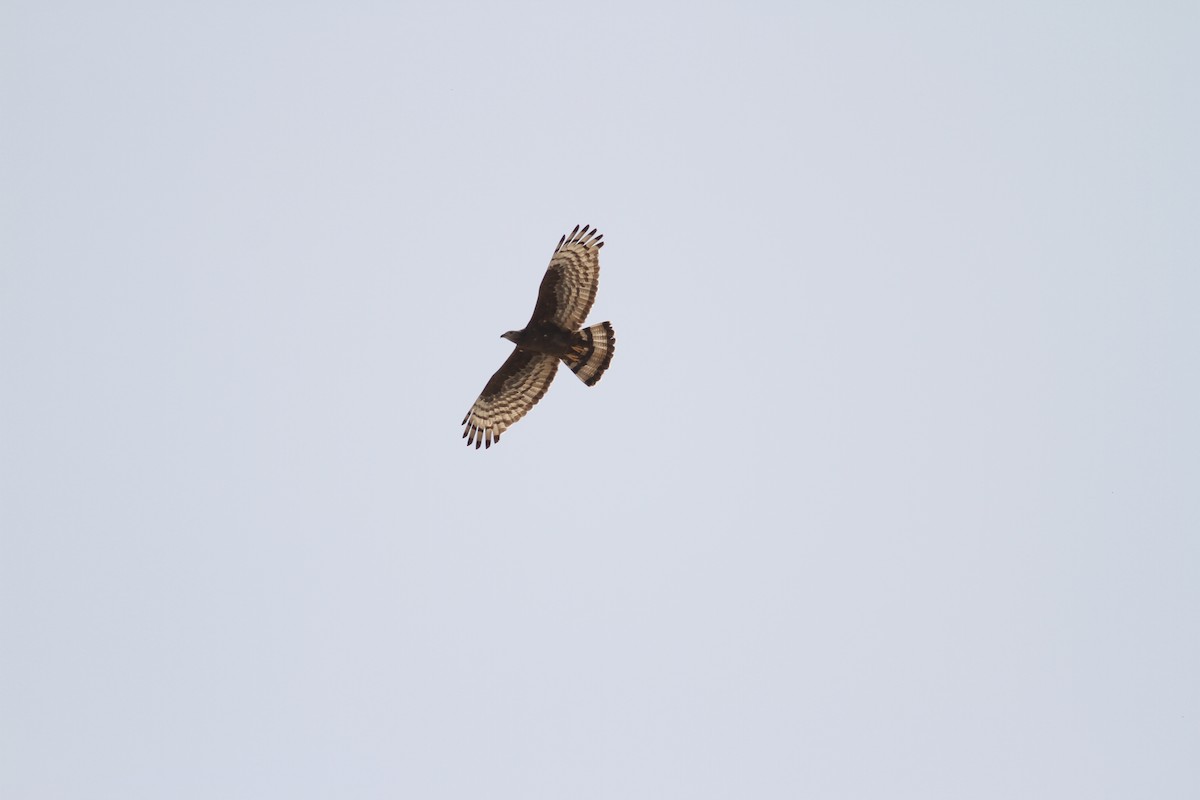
(553, 334)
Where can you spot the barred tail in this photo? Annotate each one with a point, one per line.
(592, 352)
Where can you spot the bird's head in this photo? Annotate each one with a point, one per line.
(510, 335)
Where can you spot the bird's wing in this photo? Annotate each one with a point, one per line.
(569, 287)
(513, 390)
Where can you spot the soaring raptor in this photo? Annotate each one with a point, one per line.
(553, 333)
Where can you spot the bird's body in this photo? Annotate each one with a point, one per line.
(543, 337)
(553, 334)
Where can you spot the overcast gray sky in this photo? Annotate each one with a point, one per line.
(890, 491)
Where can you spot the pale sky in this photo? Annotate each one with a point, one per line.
(889, 492)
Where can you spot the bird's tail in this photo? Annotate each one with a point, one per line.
(591, 352)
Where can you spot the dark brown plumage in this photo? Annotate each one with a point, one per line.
(552, 334)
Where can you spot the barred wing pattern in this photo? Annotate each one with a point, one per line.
(569, 287)
(513, 390)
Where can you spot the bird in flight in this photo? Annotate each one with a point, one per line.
(553, 334)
